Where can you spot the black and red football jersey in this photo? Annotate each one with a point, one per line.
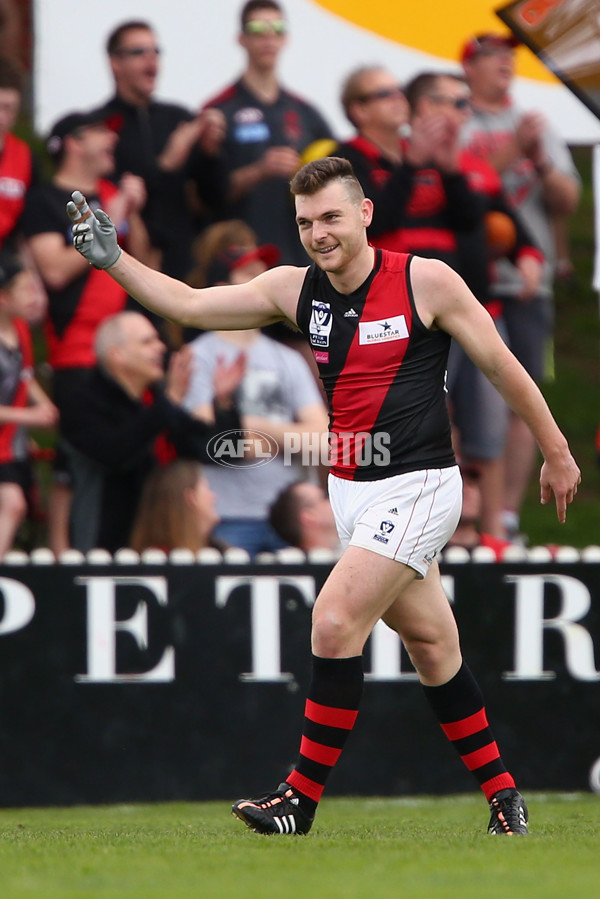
(383, 372)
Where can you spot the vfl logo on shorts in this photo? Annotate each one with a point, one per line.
(383, 331)
(320, 324)
(385, 528)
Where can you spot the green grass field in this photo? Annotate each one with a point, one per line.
(416, 848)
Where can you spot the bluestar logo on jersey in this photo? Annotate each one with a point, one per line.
(387, 329)
(321, 321)
(248, 448)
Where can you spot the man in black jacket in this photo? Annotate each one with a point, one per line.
(164, 143)
(114, 420)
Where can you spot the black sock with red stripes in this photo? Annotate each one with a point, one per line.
(460, 709)
(329, 715)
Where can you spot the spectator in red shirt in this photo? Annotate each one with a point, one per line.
(79, 296)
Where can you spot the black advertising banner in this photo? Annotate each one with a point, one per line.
(565, 34)
(167, 682)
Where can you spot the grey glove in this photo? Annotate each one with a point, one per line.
(94, 235)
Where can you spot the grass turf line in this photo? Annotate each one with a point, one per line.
(368, 848)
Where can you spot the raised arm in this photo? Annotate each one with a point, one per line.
(270, 297)
(444, 301)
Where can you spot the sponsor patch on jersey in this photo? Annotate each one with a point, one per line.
(321, 320)
(251, 134)
(250, 127)
(383, 330)
(321, 356)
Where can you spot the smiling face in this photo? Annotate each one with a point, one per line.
(332, 224)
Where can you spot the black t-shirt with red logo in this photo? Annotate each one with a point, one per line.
(253, 127)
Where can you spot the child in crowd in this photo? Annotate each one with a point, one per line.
(23, 403)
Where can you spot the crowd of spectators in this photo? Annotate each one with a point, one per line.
(204, 197)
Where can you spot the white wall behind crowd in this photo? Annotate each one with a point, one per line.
(327, 40)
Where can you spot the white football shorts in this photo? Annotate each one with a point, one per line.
(407, 517)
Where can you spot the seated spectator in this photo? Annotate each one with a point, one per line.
(277, 396)
(176, 509)
(302, 516)
(467, 533)
(23, 403)
(111, 421)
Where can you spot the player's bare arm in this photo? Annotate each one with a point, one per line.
(271, 297)
(444, 301)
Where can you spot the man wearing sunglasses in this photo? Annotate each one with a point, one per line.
(163, 143)
(421, 197)
(267, 130)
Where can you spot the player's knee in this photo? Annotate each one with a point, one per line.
(432, 657)
(333, 634)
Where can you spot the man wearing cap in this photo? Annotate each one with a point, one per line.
(79, 296)
(277, 396)
(125, 418)
(541, 182)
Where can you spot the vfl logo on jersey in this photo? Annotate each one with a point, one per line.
(382, 331)
(320, 323)
(385, 529)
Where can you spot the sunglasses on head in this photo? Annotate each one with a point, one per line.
(261, 26)
(461, 103)
(383, 94)
(138, 51)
